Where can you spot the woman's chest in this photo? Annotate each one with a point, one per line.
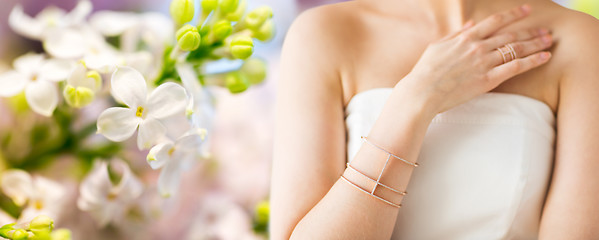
(381, 57)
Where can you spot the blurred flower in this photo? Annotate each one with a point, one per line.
(50, 18)
(37, 76)
(107, 201)
(40, 195)
(129, 86)
(173, 158)
(82, 86)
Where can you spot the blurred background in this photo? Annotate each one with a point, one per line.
(221, 200)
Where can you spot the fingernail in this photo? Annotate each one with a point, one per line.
(545, 55)
(525, 8)
(547, 39)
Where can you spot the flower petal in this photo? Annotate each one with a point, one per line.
(25, 25)
(65, 43)
(95, 187)
(170, 176)
(77, 76)
(56, 69)
(111, 23)
(118, 124)
(150, 132)
(129, 188)
(29, 64)
(159, 155)
(18, 185)
(42, 97)
(11, 83)
(192, 139)
(129, 86)
(166, 100)
(78, 14)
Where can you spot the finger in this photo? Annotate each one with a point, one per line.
(523, 48)
(495, 22)
(505, 38)
(506, 71)
(466, 26)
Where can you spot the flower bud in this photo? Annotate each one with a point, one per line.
(262, 212)
(227, 6)
(238, 13)
(19, 234)
(221, 30)
(242, 47)
(236, 82)
(254, 69)
(209, 6)
(257, 17)
(78, 96)
(188, 38)
(61, 234)
(41, 223)
(182, 11)
(265, 32)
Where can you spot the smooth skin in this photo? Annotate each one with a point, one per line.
(333, 52)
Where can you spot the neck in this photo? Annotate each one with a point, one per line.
(444, 15)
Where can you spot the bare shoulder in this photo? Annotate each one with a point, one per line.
(323, 29)
(578, 36)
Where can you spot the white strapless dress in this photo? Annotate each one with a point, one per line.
(484, 168)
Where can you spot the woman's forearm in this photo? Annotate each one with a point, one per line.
(345, 212)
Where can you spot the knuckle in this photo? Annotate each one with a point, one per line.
(497, 18)
(532, 33)
(477, 48)
(465, 37)
(518, 47)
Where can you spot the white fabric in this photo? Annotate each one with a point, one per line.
(484, 167)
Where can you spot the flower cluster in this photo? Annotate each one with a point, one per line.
(148, 73)
(40, 228)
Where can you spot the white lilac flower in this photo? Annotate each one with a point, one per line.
(38, 77)
(144, 111)
(155, 29)
(48, 19)
(81, 86)
(104, 200)
(39, 195)
(200, 109)
(173, 158)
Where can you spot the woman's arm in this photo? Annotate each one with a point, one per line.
(309, 201)
(572, 207)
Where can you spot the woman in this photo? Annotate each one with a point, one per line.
(499, 112)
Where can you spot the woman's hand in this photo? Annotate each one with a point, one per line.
(466, 64)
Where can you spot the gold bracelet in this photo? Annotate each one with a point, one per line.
(389, 153)
(364, 191)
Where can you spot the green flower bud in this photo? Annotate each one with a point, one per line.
(265, 32)
(19, 234)
(209, 6)
(227, 6)
(182, 10)
(41, 223)
(188, 38)
(254, 69)
(78, 96)
(262, 212)
(238, 13)
(61, 234)
(257, 17)
(236, 82)
(242, 47)
(221, 30)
